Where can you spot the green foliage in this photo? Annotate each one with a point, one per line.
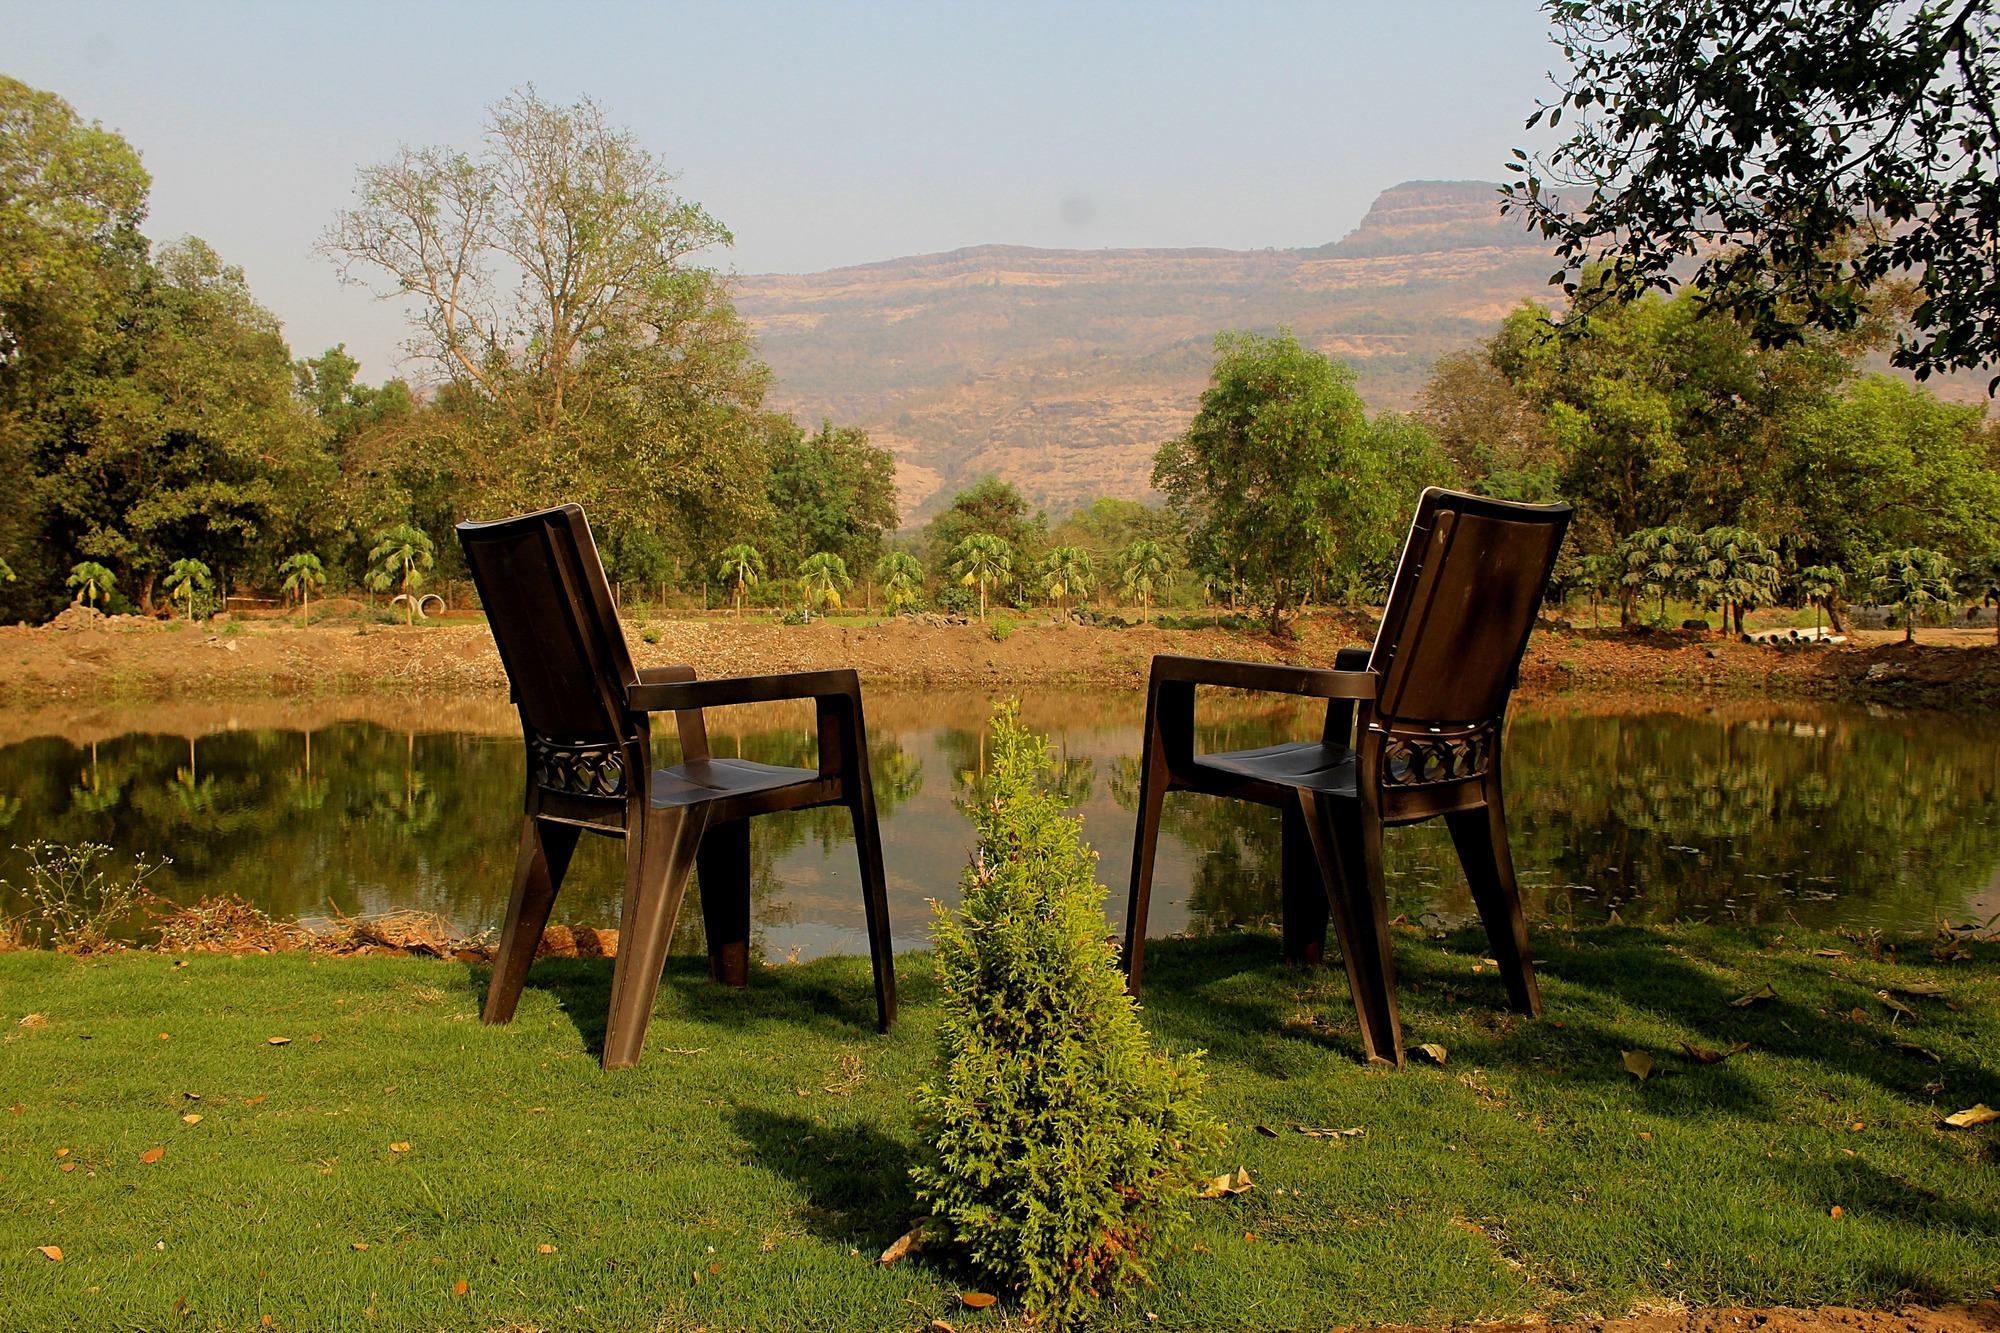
(822, 578)
(187, 580)
(1656, 562)
(832, 491)
(982, 560)
(1143, 568)
(1059, 1150)
(74, 901)
(1282, 480)
(989, 506)
(303, 574)
(1733, 570)
(1911, 582)
(92, 581)
(742, 566)
(902, 581)
(399, 559)
(1809, 153)
(1066, 572)
(1822, 586)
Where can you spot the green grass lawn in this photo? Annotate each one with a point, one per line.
(750, 1171)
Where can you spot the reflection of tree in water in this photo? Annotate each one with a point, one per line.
(1071, 777)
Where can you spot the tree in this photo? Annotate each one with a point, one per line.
(552, 284)
(188, 579)
(303, 574)
(1910, 582)
(832, 491)
(1733, 570)
(399, 559)
(1280, 477)
(1822, 585)
(1656, 565)
(991, 506)
(1806, 152)
(92, 581)
(1142, 571)
(1599, 576)
(1982, 583)
(823, 577)
(1065, 572)
(742, 565)
(1058, 1149)
(902, 580)
(985, 560)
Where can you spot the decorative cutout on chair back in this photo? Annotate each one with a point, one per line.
(1421, 759)
(1465, 596)
(577, 770)
(546, 598)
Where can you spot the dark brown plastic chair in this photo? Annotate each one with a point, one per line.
(1413, 731)
(586, 714)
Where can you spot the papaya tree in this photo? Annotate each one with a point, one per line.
(1909, 582)
(1066, 572)
(399, 559)
(303, 575)
(1733, 570)
(822, 578)
(1656, 563)
(985, 561)
(1142, 571)
(186, 580)
(902, 578)
(92, 581)
(742, 565)
(1822, 586)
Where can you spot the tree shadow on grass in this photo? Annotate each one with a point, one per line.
(856, 1178)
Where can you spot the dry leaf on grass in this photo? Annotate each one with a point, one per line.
(545, 1248)
(1758, 996)
(1928, 989)
(1922, 1052)
(68, 1167)
(459, 1288)
(1708, 1057)
(190, 1119)
(1267, 1131)
(62, 1152)
(977, 1300)
(1639, 1065)
(152, 1155)
(1895, 1005)
(360, 1244)
(1829, 953)
(277, 1041)
(1973, 1117)
(399, 1147)
(939, 1326)
(1434, 1051)
(1834, 1211)
(1313, 1133)
(908, 1243)
(34, 1021)
(52, 1252)
(1858, 1014)
(253, 1101)
(1227, 1186)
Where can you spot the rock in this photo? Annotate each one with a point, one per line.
(77, 616)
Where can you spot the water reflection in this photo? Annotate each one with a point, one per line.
(1751, 811)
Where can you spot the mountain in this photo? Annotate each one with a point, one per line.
(1063, 370)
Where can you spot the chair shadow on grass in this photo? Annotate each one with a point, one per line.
(856, 1179)
(833, 996)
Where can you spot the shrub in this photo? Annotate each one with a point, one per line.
(1058, 1150)
(73, 900)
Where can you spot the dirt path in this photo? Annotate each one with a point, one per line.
(1981, 1318)
(85, 657)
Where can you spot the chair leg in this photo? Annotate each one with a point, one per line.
(1145, 844)
(1349, 847)
(1481, 838)
(539, 868)
(723, 868)
(656, 876)
(1305, 895)
(875, 903)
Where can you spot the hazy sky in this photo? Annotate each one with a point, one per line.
(821, 134)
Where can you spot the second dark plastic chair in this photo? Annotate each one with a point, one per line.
(1413, 731)
(585, 713)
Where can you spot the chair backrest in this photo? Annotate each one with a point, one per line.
(543, 587)
(1472, 575)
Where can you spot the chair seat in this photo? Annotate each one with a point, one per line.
(700, 780)
(1312, 765)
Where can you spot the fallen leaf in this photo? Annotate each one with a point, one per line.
(152, 1155)
(1973, 1117)
(1858, 1014)
(265, 1320)
(1227, 1186)
(939, 1326)
(1834, 1211)
(1921, 1051)
(1313, 1133)
(68, 1167)
(545, 1248)
(1434, 1051)
(360, 1244)
(165, 1037)
(1895, 1005)
(1758, 996)
(1857, 1127)
(1928, 989)
(62, 1152)
(190, 1119)
(1267, 1131)
(1464, 1225)
(53, 1252)
(277, 1041)
(977, 1300)
(192, 1096)
(1829, 953)
(1708, 1057)
(252, 1101)
(34, 1021)
(1639, 1065)
(908, 1243)
(459, 1287)
(399, 1147)
(17, 1108)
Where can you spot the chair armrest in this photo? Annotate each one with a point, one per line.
(1274, 678)
(1352, 659)
(679, 696)
(665, 675)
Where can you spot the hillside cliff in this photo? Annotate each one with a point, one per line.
(1063, 370)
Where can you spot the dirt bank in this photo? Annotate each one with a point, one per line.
(91, 658)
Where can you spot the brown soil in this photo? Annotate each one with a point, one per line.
(89, 658)
(1981, 1318)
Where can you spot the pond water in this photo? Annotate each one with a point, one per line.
(1659, 811)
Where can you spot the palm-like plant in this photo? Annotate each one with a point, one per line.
(92, 581)
(1142, 571)
(186, 579)
(1066, 572)
(1911, 581)
(1982, 582)
(823, 577)
(399, 559)
(983, 560)
(1598, 576)
(304, 575)
(742, 565)
(6, 572)
(1656, 562)
(1820, 584)
(1733, 570)
(902, 580)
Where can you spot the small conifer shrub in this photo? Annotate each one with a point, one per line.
(1059, 1151)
